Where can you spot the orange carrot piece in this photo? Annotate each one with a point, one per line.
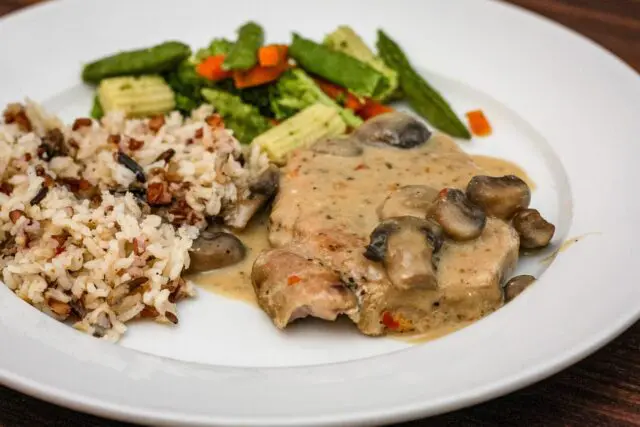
(353, 102)
(333, 91)
(340, 95)
(373, 108)
(258, 75)
(211, 68)
(478, 123)
(272, 55)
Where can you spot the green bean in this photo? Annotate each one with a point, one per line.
(423, 98)
(337, 67)
(244, 53)
(152, 60)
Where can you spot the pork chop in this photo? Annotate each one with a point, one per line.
(329, 204)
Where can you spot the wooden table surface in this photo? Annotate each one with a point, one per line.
(603, 390)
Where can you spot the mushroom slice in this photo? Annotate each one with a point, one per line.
(459, 218)
(396, 129)
(535, 232)
(500, 197)
(516, 285)
(261, 190)
(411, 200)
(405, 245)
(338, 146)
(215, 249)
(289, 287)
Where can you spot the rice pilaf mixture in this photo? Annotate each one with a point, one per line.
(97, 218)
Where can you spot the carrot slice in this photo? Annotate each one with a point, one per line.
(211, 68)
(340, 95)
(478, 123)
(352, 102)
(272, 55)
(258, 75)
(373, 108)
(334, 92)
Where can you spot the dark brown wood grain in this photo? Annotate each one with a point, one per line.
(603, 390)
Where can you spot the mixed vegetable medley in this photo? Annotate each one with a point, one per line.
(277, 96)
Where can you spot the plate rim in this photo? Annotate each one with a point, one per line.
(534, 374)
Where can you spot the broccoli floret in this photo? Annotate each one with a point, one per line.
(244, 119)
(258, 96)
(216, 47)
(296, 90)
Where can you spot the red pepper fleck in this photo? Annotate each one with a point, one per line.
(443, 193)
(27, 157)
(389, 321)
(361, 166)
(293, 279)
(199, 132)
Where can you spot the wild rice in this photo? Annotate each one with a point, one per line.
(79, 236)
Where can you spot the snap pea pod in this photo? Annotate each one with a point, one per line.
(337, 67)
(152, 60)
(244, 53)
(423, 98)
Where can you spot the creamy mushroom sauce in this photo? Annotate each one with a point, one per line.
(442, 154)
(495, 166)
(235, 281)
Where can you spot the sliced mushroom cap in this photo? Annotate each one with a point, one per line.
(215, 249)
(412, 200)
(396, 129)
(261, 190)
(460, 219)
(405, 246)
(338, 146)
(516, 285)
(266, 184)
(500, 197)
(535, 232)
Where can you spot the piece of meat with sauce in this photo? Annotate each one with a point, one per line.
(413, 276)
(290, 287)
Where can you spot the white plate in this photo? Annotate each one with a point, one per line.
(561, 106)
